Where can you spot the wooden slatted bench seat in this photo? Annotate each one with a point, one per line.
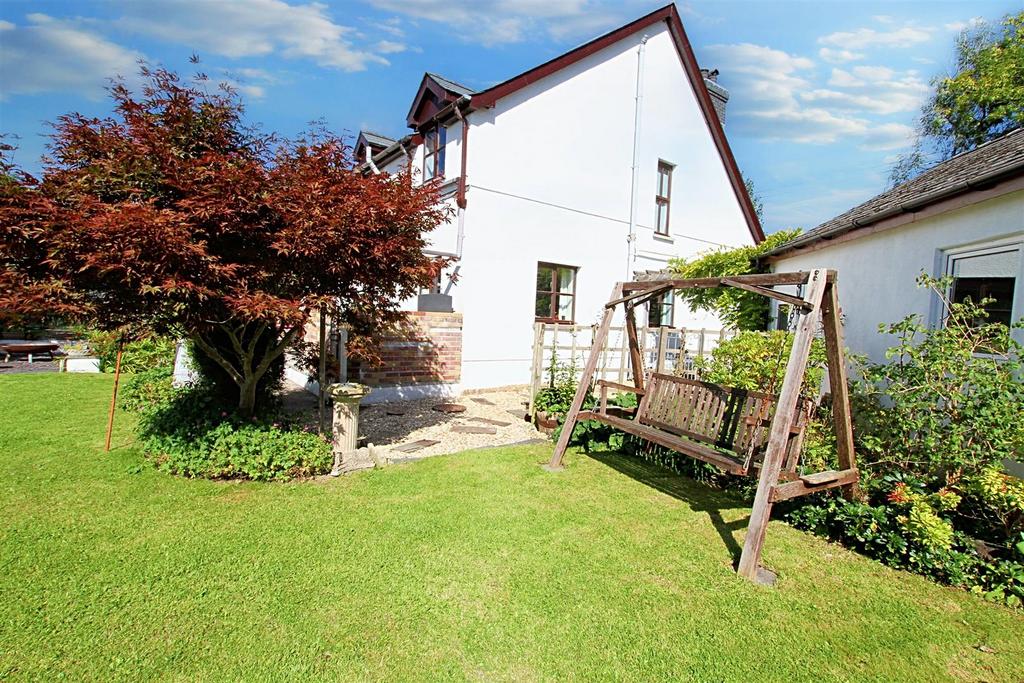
(724, 426)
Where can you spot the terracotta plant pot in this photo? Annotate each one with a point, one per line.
(545, 422)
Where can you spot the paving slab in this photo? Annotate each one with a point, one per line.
(471, 429)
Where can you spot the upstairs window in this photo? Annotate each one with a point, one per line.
(663, 197)
(433, 153)
(987, 273)
(556, 293)
(659, 310)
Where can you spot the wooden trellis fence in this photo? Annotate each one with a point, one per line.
(669, 350)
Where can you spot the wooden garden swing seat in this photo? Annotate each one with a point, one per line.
(738, 431)
(724, 426)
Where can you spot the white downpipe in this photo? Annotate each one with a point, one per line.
(637, 111)
(369, 160)
(461, 233)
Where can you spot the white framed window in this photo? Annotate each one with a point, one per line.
(663, 197)
(433, 152)
(556, 293)
(990, 271)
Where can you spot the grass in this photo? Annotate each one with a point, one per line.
(475, 566)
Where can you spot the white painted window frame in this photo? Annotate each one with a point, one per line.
(945, 259)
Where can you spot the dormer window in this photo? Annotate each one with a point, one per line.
(433, 153)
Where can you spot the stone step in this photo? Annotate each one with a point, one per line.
(487, 420)
(414, 445)
(471, 429)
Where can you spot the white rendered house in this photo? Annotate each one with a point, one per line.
(606, 161)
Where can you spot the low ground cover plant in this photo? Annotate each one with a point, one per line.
(190, 431)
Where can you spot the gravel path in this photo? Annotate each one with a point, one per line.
(419, 421)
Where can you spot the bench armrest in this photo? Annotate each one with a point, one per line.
(620, 387)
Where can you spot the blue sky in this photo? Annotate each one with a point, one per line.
(823, 94)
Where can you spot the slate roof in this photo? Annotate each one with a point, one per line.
(375, 139)
(987, 164)
(450, 85)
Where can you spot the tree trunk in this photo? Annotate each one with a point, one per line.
(247, 396)
(243, 364)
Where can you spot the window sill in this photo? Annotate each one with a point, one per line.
(664, 238)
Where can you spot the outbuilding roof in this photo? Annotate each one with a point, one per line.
(981, 168)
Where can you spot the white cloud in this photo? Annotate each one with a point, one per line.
(888, 136)
(777, 96)
(249, 81)
(494, 22)
(839, 56)
(251, 28)
(863, 38)
(877, 89)
(958, 26)
(392, 27)
(387, 47)
(765, 84)
(48, 54)
(844, 79)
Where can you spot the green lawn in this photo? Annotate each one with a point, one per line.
(476, 566)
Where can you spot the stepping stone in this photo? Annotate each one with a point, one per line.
(519, 414)
(487, 420)
(394, 411)
(415, 445)
(470, 429)
(483, 401)
(450, 408)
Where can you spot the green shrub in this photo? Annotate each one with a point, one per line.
(557, 396)
(259, 452)
(950, 401)
(147, 389)
(137, 356)
(757, 361)
(879, 532)
(737, 308)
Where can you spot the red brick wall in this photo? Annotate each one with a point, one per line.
(428, 350)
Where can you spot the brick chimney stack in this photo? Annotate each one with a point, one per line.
(719, 95)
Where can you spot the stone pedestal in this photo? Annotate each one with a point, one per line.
(345, 426)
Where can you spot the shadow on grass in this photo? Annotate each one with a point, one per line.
(698, 497)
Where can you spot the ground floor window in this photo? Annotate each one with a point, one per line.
(556, 293)
(659, 310)
(987, 273)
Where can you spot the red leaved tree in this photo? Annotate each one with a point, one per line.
(175, 216)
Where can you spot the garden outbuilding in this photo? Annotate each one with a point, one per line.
(963, 218)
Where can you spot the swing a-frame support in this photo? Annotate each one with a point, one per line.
(741, 432)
